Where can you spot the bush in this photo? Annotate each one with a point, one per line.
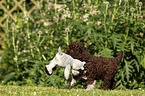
(105, 28)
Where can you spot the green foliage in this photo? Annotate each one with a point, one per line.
(105, 28)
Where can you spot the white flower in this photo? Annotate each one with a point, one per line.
(18, 42)
(19, 53)
(69, 15)
(13, 24)
(65, 15)
(94, 12)
(67, 29)
(140, 3)
(132, 9)
(32, 46)
(7, 16)
(15, 59)
(25, 60)
(24, 51)
(54, 17)
(48, 8)
(98, 22)
(35, 93)
(85, 20)
(67, 8)
(107, 3)
(62, 17)
(86, 16)
(46, 48)
(40, 32)
(46, 23)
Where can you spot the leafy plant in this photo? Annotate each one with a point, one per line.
(105, 28)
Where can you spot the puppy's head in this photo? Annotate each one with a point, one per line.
(75, 48)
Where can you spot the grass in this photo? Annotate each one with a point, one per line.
(51, 91)
(104, 28)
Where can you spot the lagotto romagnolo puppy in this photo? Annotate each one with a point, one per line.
(96, 68)
(64, 60)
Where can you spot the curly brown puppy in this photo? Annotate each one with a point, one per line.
(96, 68)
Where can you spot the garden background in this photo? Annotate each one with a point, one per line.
(32, 30)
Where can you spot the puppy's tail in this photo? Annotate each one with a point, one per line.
(119, 57)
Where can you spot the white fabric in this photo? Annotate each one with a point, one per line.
(75, 73)
(50, 66)
(78, 64)
(67, 71)
(65, 60)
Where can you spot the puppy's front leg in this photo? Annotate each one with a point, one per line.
(73, 80)
(91, 86)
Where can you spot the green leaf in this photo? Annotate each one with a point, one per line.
(137, 65)
(143, 61)
(115, 38)
(106, 53)
(128, 70)
(132, 44)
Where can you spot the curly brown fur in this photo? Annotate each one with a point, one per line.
(97, 68)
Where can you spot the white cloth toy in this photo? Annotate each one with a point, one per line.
(65, 60)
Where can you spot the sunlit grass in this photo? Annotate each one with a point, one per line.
(51, 91)
(105, 28)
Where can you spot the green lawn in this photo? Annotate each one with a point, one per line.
(51, 91)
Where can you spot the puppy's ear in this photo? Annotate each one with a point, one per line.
(59, 51)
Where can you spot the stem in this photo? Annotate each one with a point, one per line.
(15, 48)
(131, 16)
(105, 19)
(55, 7)
(67, 39)
(137, 11)
(74, 9)
(115, 11)
(14, 45)
(30, 45)
(125, 7)
(7, 33)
